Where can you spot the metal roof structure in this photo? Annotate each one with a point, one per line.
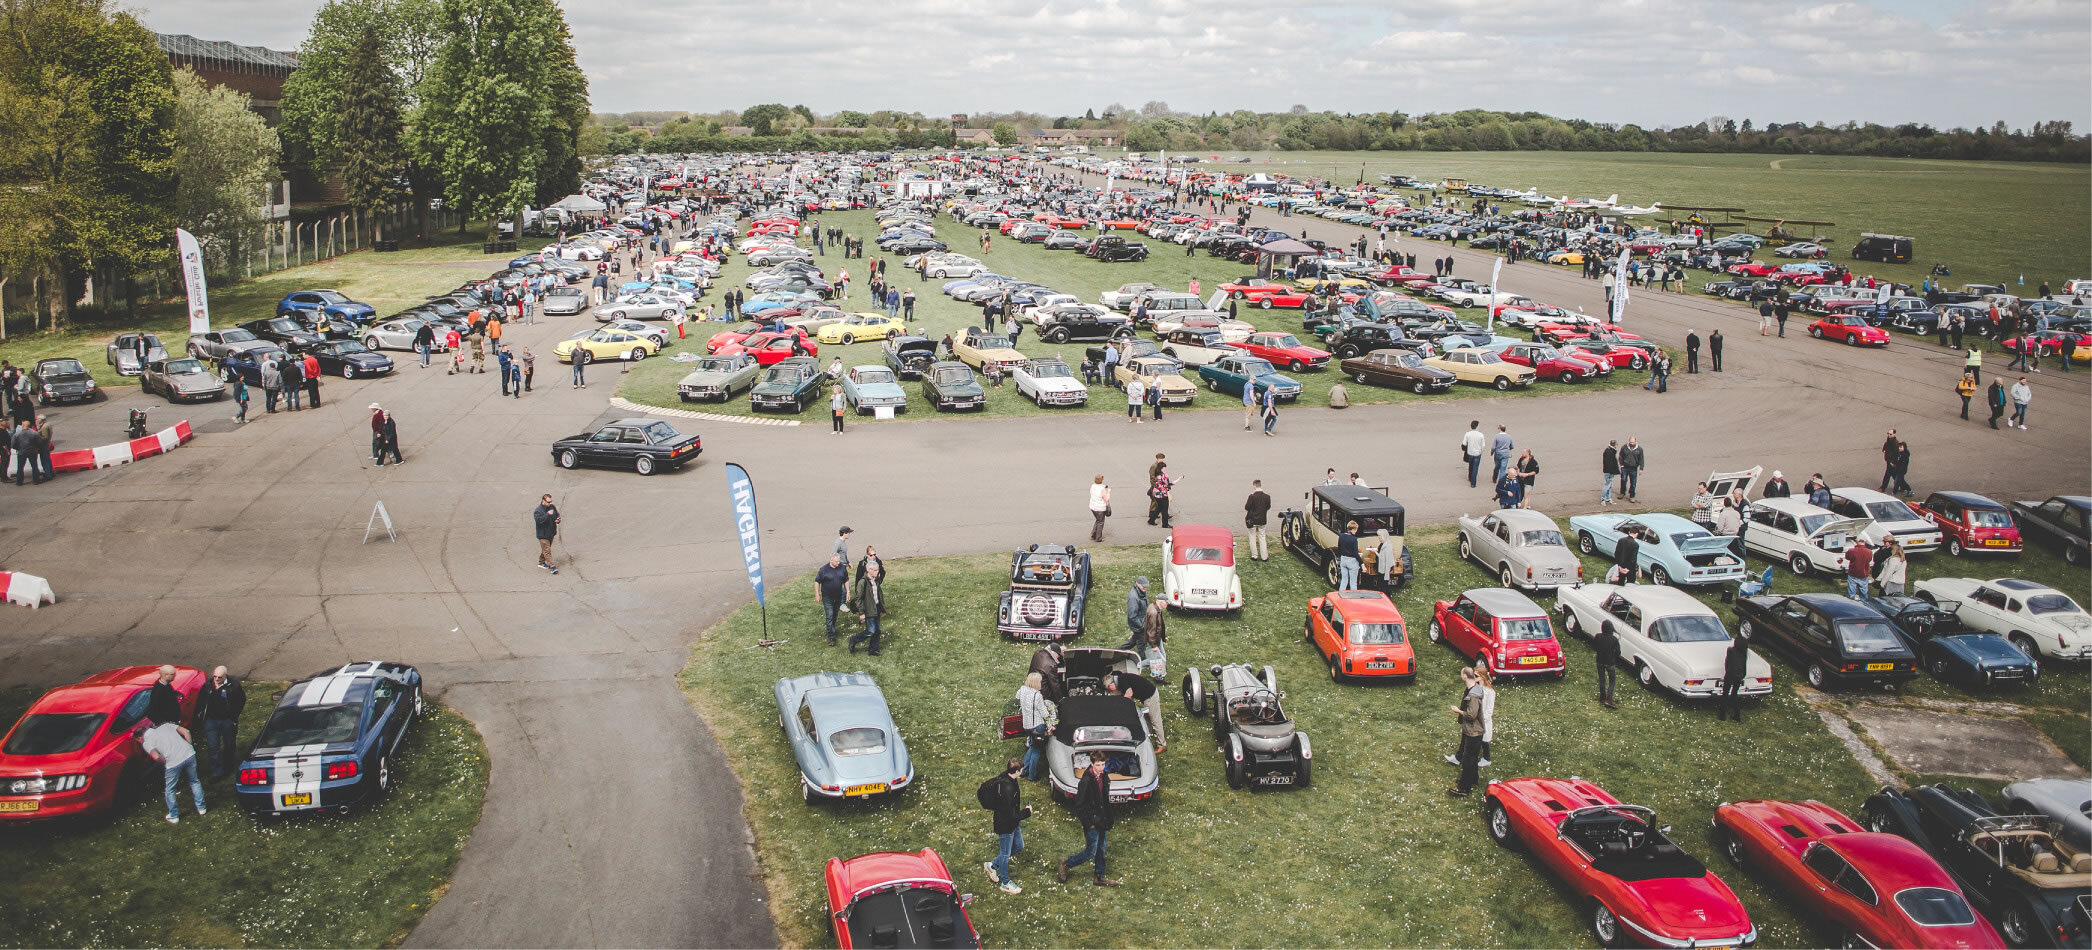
(181, 47)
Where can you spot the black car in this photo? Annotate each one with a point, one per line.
(1887, 248)
(246, 364)
(349, 359)
(1835, 639)
(61, 379)
(1083, 322)
(1357, 339)
(2059, 522)
(1952, 652)
(789, 385)
(2019, 869)
(915, 245)
(1114, 253)
(949, 385)
(642, 445)
(284, 332)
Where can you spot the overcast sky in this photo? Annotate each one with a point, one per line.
(1654, 62)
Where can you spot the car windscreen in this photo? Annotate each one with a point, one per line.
(992, 342)
(661, 433)
(1044, 369)
(1935, 907)
(1889, 511)
(57, 367)
(1869, 636)
(236, 336)
(2051, 604)
(345, 347)
(715, 366)
(177, 367)
(1528, 628)
(1989, 518)
(310, 725)
(1376, 633)
(1540, 538)
(1809, 523)
(954, 377)
(1693, 628)
(863, 740)
(1046, 567)
(53, 733)
(866, 377)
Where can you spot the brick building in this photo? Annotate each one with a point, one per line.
(259, 72)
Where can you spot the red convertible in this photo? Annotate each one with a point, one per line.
(1639, 888)
(1397, 274)
(897, 899)
(1283, 349)
(1059, 221)
(1850, 330)
(1121, 224)
(1753, 269)
(69, 753)
(1564, 331)
(1249, 287)
(1880, 889)
(773, 346)
(1619, 356)
(726, 338)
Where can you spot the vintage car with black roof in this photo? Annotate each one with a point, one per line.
(1311, 534)
(1059, 324)
(1049, 587)
(2060, 522)
(642, 445)
(950, 385)
(1836, 641)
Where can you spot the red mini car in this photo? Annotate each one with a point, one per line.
(1639, 887)
(1971, 523)
(1360, 634)
(1849, 329)
(68, 754)
(897, 899)
(1881, 889)
(1554, 364)
(1501, 627)
(771, 346)
(1284, 349)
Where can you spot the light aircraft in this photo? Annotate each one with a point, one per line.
(1621, 210)
(1590, 204)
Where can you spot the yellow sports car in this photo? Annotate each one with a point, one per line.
(605, 344)
(1482, 368)
(1323, 285)
(863, 326)
(1161, 372)
(1566, 257)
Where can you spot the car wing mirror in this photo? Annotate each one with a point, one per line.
(1665, 830)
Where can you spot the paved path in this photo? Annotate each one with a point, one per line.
(612, 819)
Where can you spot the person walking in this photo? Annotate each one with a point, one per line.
(389, 440)
(1995, 398)
(1471, 444)
(1899, 468)
(1632, 461)
(1093, 809)
(871, 607)
(2022, 394)
(1469, 714)
(239, 398)
(1735, 667)
(1270, 410)
(1100, 508)
(311, 366)
(1859, 563)
(1249, 405)
(1256, 511)
(1527, 471)
(220, 705)
(1002, 796)
(424, 339)
(1966, 389)
(1692, 351)
(1031, 708)
(1714, 349)
(167, 743)
(1606, 646)
(833, 582)
(1609, 466)
(1160, 490)
(1888, 460)
(1500, 449)
(546, 519)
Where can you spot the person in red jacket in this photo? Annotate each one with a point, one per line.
(312, 379)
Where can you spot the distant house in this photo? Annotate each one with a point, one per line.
(738, 131)
(259, 72)
(976, 136)
(1104, 138)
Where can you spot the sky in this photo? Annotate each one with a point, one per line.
(1653, 62)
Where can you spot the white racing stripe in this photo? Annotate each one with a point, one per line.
(337, 687)
(284, 762)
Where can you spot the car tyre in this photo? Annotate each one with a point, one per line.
(1661, 577)
(1954, 546)
(384, 775)
(1584, 543)
(2025, 644)
(1799, 564)
(1816, 332)
(1264, 303)
(1502, 384)
(2073, 556)
(1499, 823)
(370, 342)
(1637, 363)
(1503, 574)
(1817, 676)
(568, 459)
(1336, 673)
(1571, 624)
(644, 465)
(1644, 675)
(1331, 573)
(1237, 776)
(2017, 926)
(1604, 925)
(1194, 691)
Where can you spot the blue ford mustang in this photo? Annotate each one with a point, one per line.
(331, 741)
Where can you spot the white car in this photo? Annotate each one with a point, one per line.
(1667, 636)
(1523, 546)
(1198, 569)
(1889, 516)
(954, 267)
(2037, 618)
(1046, 302)
(1481, 296)
(1049, 382)
(637, 307)
(1806, 538)
(1806, 249)
(1231, 331)
(1122, 298)
(777, 253)
(1195, 347)
(581, 252)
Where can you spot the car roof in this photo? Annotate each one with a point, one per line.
(1664, 601)
(640, 421)
(1366, 605)
(1791, 505)
(2020, 583)
(1357, 500)
(2074, 501)
(1865, 496)
(1969, 499)
(1838, 606)
(1522, 518)
(1201, 535)
(100, 692)
(1503, 602)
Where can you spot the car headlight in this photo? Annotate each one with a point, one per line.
(90, 384)
(44, 785)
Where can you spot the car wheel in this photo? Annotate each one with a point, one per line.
(1817, 675)
(1264, 304)
(1660, 576)
(384, 775)
(569, 459)
(636, 355)
(1584, 544)
(2025, 644)
(1499, 822)
(1336, 673)
(1637, 363)
(2016, 925)
(417, 702)
(1727, 842)
(1644, 675)
(1212, 384)
(806, 792)
(1604, 925)
(1304, 774)
(1237, 775)
(849, 338)
(1852, 339)
(1816, 332)
(618, 315)
(1571, 624)
(644, 465)
(1057, 335)
(1954, 546)
(1502, 384)
(1798, 563)
(1194, 692)
(347, 371)
(1467, 548)
(2073, 556)
(370, 342)
(1332, 573)
(1938, 667)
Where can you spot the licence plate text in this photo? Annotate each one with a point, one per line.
(302, 798)
(1996, 543)
(1872, 667)
(18, 806)
(871, 789)
(1532, 660)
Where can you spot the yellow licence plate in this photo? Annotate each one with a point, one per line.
(872, 789)
(302, 798)
(1996, 542)
(1871, 667)
(18, 806)
(1533, 660)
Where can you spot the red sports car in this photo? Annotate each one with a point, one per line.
(2049, 342)
(1619, 356)
(1639, 887)
(68, 754)
(1061, 221)
(1397, 274)
(773, 346)
(1251, 287)
(1011, 222)
(1588, 328)
(1359, 633)
(1849, 329)
(1121, 224)
(1283, 349)
(1801, 278)
(1880, 889)
(1554, 364)
(897, 899)
(1753, 269)
(729, 337)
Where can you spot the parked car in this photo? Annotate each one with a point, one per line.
(247, 364)
(1081, 321)
(1124, 297)
(564, 302)
(1311, 534)
(1523, 546)
(842, 736)
(949, 384)
(2059, 522)
(285, 332)
(1047, 381)
(1482, 368)
(1096, 724)
(181, 380)
(1160, 373)
(604, 344)
(1672, 550)
(349, 359)
(867, 388)
(332, 303)
(976, 348)
(643, 445)
(1360, 634)
(790, 384)
(1193, 346)
(1800, 535)
(2065, 801)
(1952, 652)
(1836, 641)
(644, 306)
(1667, 637)
(1049, 587)
(717, 378)
(1260, 745)
(897, 899)
(1198, 569)
(1231, 374)
(398, 334)
(2040, 620)
(862, 326)
(1502, 629)
(1399, 369)
(1850, 330)
(2019, 869)
(1970, 523)
(219, 344)
(908, 356)
(1887, 517)
(1283, 349)
(331, 740)
(73, 750)
(122, 352)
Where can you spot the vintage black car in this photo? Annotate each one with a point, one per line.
(1355, 339)
(642, 445)
(349, 359)
(1083, 322)
(61, 379)
(1952, 652)
(1836, 640)
(284, 332)
(908, 356)
(1311, 534)
(949, 385)
(1049, 584)
(2025, 875)
(790, 385)
(2060, 522)
(1112, 253)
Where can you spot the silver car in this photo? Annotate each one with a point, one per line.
(843, 736)
(717, 378)
(565, 301)
(180, 380)
(1093, 724)
(638, 307)
(1524, 548)
(2066, 800)
(766, 256)
(122, 352)
(391, 334)
(219, 344)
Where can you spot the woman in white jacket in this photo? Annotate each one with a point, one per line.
(1100, 507)
(1894, 570)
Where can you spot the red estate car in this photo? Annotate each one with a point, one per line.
(1849, 329)
(1554, 364)
(773, 346)
(1284, 349)
(1503, 628)
(1971, 523)
(897, 899)
(1639, 887)
(1881, 889)
(1359, 633)
(68, 754)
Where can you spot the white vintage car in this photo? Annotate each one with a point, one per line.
(2038, 619)
(1194, 347)
(1231, 331)
(1667, 636)
(1889, 516)
(1198, 569)
(1802, 536)
(1524, 548)
(1048, 381)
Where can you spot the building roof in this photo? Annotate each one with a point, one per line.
(182, 44)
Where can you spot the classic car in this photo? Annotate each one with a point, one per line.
(1671, 549)
(2060, 522)
(1850, 330)
(947, 266)
(642, 306)
(1638, 886)
(1800, 535)
(1360, 634)
(1159, 372)
(1283, 349)
(1312, 534)
(75, 748)
(1887, 517)
(247, 364)
(1552, 364)
(1952, 652)
(1879, 890)
(897, 899)
(1196, 347)
(1118, 252)
(1667, 636)
(1047, 381)
(604, 344)
(122, 352)
(398, 334)
(1502, 629)
(775, 300)
(1081, 321)
(1123, 298)
(912, 244)
(61, 379)
(1049, 587)
(769, 254)
(863, 326)
(909, 356)
(1523, 546)
(1232, 332)
(1482, 368)
(643, 445)
(1198, 569)
(658, 334)
(976, 348)
(843, 736)
(949, 384)
(717, 378)
(771, 347)
(349, 359)
(2038, 619)
(1970, 523)
(2065, 801)
(868, 388)
(1400, 369)
(1350, 337)
(1252, 287)
(1324, 285)
(1260, 746)
(1837, 641)
(1230, 374)
(1094, 723)
(790, 384)
(564, 302)
(180, 380)
(2020, 869)
(331, 740)
(219, 344)
(285, 332)
(333, 303)
(2052, 342)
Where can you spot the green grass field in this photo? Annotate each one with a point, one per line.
(129, 879)
(654, 381)
(1374, 854)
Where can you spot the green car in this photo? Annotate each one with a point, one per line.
(790, 385)
(949, 384)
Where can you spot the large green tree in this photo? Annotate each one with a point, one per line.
(763, 117)
(225, 161)
(369, 115)
(559, 175)
(315, 114)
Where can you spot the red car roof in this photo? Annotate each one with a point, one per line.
(1185, 537)
(1366, 606)
(104, 691)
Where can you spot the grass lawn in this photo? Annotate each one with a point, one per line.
(1374, 854)
(654, 382)
(227, 880)
(390, 282)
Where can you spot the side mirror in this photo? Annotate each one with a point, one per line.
(1666, 829)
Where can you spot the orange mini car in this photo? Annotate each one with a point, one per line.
(1360, 634)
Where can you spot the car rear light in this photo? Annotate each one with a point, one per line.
(254, 776)
(1849, 668)
(831, 788)
(340, 770)
(897, 783)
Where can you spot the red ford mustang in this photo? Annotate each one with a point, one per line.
(1639, 887)
(68, 754)
(897, 899)
(1880, 888)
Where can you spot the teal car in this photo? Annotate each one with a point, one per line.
(949, 384)
(789, 385)
(1230, 373)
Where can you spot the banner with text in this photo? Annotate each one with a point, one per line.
(1620, 284)
(741, 490)
(192, 278)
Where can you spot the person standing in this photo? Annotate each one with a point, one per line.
(1888, 460)
(1136, 397)
(871, 606)
(1703, 507)
(1692, 351)
(1249, 405)
(271, 383)
(1160, 490)
(1528, 473)
(1100, 507)
(27, 446)
(1778, 487)
(836, 406)
(1609, 466)
(168, 744)
(1500, 449)
(1093, 809)
(239, 398)
(2022, 394)
(502, 361)
(1256, 511)
(1892, 568)
(1031, 708)
(1966, 389)
(1471, 444)
(1002, 796)
(1469, 714)
(1735, 667)
(1714, 349)
(389, 440)
(293, 372)
(1347, 557)
(1632, 461)
(1859, 563)
(312, 380)
(530, 368)
(546, 519)
(833, 581)
(1142, 691)
(1136, 614)
(222, 701)
(1606, 646)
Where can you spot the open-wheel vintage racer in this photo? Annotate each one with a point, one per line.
(1049, 584)
(1259, 744)
(1312, 534)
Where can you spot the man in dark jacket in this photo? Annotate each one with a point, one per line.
(1714, 349)
(1996, 397)
(1093, 809)
(1136, 614)
(1888, 460)
(292, 370)
(871, 605)
(1046, 661)
(1255, 513)
(1003, 795)
(221, 703)
(1692, 351)
(1632, 460)
(1610, 468)
(1607, 645)
(164, 705)
(1778, 487)
(546, 517)
(1735, 664)
(834, 581)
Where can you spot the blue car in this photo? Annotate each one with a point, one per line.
(866, 388)
(333, 303)
(1952, 652)
(247, 364)
(843, 736)
(331, 740)
(1671, 549)
(1229, 374)
(773, 301)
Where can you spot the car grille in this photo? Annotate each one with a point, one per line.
(1063, 399)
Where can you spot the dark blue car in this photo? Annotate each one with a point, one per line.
(330, 743)
(1951, 652)
(247, 364)
(333, 303)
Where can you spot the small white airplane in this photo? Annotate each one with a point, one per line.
(1590, 204)
(1622, 210)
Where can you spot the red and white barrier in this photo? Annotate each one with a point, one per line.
(28, 590)
(121, 453)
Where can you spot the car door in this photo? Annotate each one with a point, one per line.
(602, 447)
(1329, 625)
(1984, 609)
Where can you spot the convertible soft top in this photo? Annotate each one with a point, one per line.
(1078, 711)
(1213, 543)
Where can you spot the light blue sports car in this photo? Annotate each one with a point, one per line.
(866, 388)
(843, 736)
(1672, 550)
